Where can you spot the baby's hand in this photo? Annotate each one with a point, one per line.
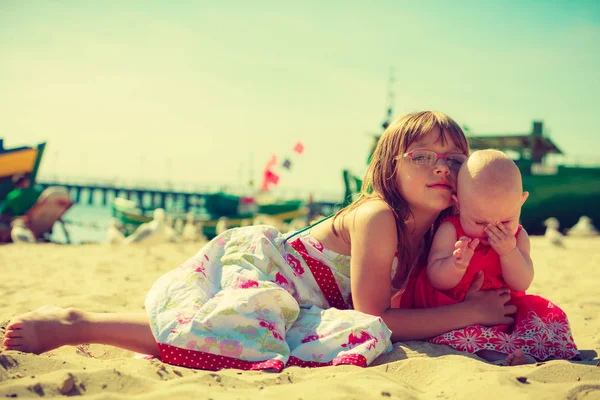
(500, 238)
(464, 249)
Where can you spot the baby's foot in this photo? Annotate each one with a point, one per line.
(519, 358)
(42, 330)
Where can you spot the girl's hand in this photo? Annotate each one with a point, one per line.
(490, 306)
(464, 249)
(500, 238)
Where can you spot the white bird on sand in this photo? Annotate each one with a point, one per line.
(298, 223)
(222, 225)
(552, 235)
(246, 222)
(583, 228)
(264, 219)
(172, 235)
(114, 235)
(200, 233)
(153, 232)
(20, 233)
(190, 232)
(178, 225)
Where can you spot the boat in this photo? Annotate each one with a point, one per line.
(18, 162)
(21, 198)
(565, 192)
(239, 210)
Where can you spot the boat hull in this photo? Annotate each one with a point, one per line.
(18, 162)
(566, 196)
(131, 216)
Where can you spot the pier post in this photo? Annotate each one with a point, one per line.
(91, 195)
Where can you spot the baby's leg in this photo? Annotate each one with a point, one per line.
(491, 355)
(519, 358)
(516, 358)
(50, 327)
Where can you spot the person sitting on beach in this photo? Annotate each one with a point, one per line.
(486, 238)
(253, 298)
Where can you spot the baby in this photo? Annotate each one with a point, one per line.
(486, 238)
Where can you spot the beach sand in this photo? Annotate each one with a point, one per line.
(109, 279)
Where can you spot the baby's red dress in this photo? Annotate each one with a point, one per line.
(541, 328)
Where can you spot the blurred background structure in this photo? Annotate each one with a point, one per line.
(165, 101)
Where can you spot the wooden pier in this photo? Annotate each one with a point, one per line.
(143, 197)
(151, 198)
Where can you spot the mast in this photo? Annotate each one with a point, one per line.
(391, 98)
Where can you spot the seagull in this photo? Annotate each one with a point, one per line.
(153, 232)
(583, 228)
(222, 225)
(552, 235)
(264, 219)
(178, 225)
(172, 235)
(114, 235)
(246, 222)
(298, 223)
(200, 233)
(20, 233)
(190, 233)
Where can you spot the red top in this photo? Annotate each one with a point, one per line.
(421, 294)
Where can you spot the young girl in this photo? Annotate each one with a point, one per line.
(254, 299)
(487, 238)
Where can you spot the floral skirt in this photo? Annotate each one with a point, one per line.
(250, 300)
(541, 330)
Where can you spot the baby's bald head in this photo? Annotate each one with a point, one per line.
(489, 173)
(489, 191)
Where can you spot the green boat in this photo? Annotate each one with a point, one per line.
(561, 191)
(239, 210)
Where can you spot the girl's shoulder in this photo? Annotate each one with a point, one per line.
(373, 218)
(374, 212)
(374, 206)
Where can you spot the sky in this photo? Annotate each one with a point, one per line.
(202, 93)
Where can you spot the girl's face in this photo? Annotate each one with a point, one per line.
(428, 187)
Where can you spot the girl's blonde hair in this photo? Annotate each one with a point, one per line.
(380, 178)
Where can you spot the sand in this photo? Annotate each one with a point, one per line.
(109, 279)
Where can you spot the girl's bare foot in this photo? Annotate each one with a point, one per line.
(519, 358)
(44, 329)
(50, 327)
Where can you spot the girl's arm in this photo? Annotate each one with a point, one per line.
(373, 245)
(479, 307)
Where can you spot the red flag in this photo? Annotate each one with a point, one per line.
(299, 148)
(272, 162)
(269, 178)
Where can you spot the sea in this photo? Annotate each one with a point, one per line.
(85, 224)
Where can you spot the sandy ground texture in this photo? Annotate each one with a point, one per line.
(109, 279)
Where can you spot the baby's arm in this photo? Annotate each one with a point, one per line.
(449, 258)
(517, 267)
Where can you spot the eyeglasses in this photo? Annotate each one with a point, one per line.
(429, 157)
